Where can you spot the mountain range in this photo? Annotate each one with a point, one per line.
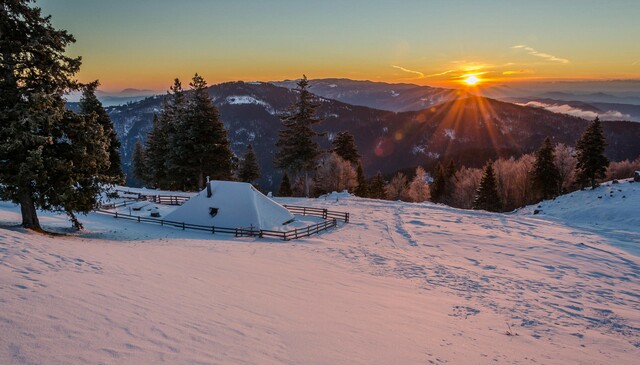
(446, 124)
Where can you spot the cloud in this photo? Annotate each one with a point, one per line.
(441, 73)
(546, 56)
(420, 74)
(576, 112)
(517, 72)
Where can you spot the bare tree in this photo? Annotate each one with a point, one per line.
(419, 188)
(336, 174)
(565, 160)
(397, 188)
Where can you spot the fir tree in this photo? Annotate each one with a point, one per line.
(345, 146)
(545, 175)
(50, 158)
(438, 186)
(297, 149)
(487, 197)
(592, 164)
(249, 169)
(361, 190)
(89, 104)
(285, 186)
(376, 187)
(138, 161)
(157, 150)
(200, 145)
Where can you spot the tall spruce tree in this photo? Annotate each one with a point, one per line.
(138, 162)
(545, 175)
(487, 197)
(361, 190)
(249, 169)
(438, 186)
(200, 147)
(297, 148)
(592, 163)
(376, 187)
(89, 104)
(50, 158)
(344, 145)
(285, 186)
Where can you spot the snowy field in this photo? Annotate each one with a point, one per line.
(401, 284)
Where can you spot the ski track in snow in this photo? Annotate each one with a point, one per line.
(401, 283)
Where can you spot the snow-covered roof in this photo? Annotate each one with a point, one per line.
(232, 205)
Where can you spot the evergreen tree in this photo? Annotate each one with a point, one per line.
(376, 187)
(297, 149)
(545, 174)
(157, 150)
(592, 164)
(361, 190)
(89, 104)
(487, 197)
(138, 161)
(200, 147)
(285, 186)
(345, 146)
(249, 169)
(50, 158)
(439, 184)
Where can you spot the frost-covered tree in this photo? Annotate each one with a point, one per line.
(297, 148)
(487, 197)
(623, 169)
(335, 174)
(565, 161)
(50, 158)
(419, 188)
(345, 146)
(89, 104)
(466, 184)
(514, 181)
(545, 175)
(592, 164)
(249, 169)
(397, 188)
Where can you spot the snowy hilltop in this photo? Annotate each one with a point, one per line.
(402, 283)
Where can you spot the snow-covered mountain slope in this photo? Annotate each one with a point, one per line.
(401, 283)
(611, 207)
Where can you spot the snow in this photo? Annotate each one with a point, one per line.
(246, 99)
(237, 205)
(402, 283)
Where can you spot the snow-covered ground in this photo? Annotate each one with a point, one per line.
(401, 283)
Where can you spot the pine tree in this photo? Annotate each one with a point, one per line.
(592, 164)
(297, 149)
(545, 175)
(50, 158)
(89, 104)
(200, 145)
(249, 169)
(157, 150)
(345, 146)
(376, 187)
(487, 197)
(138, 161)
(439, 184)
(361, 190)
(285, 186)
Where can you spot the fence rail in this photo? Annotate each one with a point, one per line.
(154, 198)
(330, 220)
(318, 212)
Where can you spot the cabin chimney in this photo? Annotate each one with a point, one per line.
(208, 187)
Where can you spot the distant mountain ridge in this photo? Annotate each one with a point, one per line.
(470, 130)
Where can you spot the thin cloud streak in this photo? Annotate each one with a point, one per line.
(441, 73)
(547, 56)
(420, 74)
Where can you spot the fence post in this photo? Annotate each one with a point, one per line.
(138, 219)
(346, 217)
(183, 226)
(116, 214)
(324, 213)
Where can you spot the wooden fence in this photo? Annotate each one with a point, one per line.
(330, 220)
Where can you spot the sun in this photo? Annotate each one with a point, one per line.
(472, 80)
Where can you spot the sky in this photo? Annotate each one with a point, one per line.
(145, 44)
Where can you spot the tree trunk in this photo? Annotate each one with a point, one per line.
(29, 214)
